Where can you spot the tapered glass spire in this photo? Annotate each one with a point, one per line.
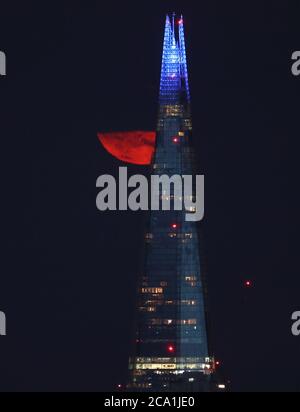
(172, 350)
(174, 76)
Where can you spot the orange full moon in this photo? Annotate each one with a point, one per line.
(135, 147)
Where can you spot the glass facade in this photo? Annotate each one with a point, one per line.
(171, 348)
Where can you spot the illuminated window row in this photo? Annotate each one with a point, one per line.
(168, 359)
(181, 235)
(154, 302)
(152, 290)
(172, 302)
(187, 302)
(190, 278)
(147, 309)
(165, 196)
(182, 366)
(172, 321)
(173, 110)
(143, 385)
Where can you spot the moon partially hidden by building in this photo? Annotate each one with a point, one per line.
(135, 147)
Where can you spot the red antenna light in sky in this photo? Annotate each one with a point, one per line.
(171, 348)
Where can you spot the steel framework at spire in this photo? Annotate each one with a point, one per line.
(174, 85)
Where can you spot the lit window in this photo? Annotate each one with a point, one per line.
(173, 110)
(190, 278)
(188, 302)
(188, 321)
(188, 124)
(152, 290)
(192, 321)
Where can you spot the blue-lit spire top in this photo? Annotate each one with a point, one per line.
(173, 30)
(174, 88)
(183, 57)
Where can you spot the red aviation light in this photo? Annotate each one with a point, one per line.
(248, 283)
(171, 348)
(175, 140)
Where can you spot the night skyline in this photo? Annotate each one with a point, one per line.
(74, 69)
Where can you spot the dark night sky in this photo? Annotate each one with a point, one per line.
(68, 272)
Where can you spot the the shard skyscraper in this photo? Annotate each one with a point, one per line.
(171, 342)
